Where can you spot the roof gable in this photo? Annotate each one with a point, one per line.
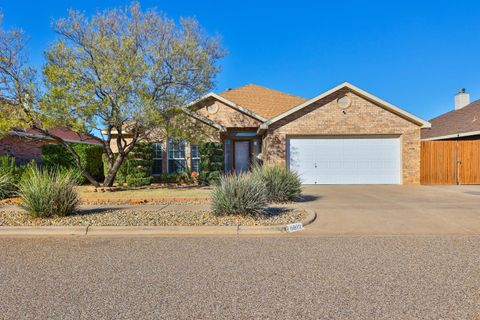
(386, 105)
(262, 101)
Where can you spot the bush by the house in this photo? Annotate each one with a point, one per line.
(10, 175)
(211, 162)
(183, 177)
(137, 168)
(282, 184)
(46, 193)
(7, 185)
(7, 165)
(137, 181)
(56, 156)
(239, 194)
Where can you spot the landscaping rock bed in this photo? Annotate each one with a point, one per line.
(152, 218)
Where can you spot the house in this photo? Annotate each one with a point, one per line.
(462, 123)
(344, 135)
(451, 147)
(26, 145)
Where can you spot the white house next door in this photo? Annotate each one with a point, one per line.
(346, 159)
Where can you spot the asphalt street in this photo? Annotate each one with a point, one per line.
(342, 277)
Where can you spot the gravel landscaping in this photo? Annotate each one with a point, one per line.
(152, 218)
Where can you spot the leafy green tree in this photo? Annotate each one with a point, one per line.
(123, 72)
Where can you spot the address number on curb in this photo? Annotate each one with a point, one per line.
(294, 227)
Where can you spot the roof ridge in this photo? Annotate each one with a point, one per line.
(265, 88)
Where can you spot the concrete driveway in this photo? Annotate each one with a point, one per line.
(393, 210)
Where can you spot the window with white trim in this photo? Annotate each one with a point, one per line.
(157, 158)
(194, 158)
(176, 155)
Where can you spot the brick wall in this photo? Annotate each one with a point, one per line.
(228, 116)
(363, 117)
(22, 148)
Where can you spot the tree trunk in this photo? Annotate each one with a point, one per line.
(113, 170)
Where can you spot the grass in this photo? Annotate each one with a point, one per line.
(151, 192)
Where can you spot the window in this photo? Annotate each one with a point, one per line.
(194, 158)
(176, 155)
(157, 158)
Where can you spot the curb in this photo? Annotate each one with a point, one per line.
(43, 231)
(92, 231)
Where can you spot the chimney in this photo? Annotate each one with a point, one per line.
(462, 99)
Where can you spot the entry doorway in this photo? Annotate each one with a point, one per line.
(241, 155)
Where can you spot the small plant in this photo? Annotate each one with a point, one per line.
(239, 194)
(10, 174)
(7, 185)
(282, 184)
(136, 181)
(46, 193)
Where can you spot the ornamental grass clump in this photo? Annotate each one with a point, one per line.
(7, 185)
(241, 194)
(282, 184)
(46, 193)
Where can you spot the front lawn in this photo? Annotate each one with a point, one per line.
(152, 192)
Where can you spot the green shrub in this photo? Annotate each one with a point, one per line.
(281, 184)
(136, 168)
(11, 175)
(7, 185)
(133, 181)
(239, 194)
(56, 156)
(7, 165)
(46, 193)
(211, 162)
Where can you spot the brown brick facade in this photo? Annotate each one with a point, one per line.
(228, 116)
(363, 117)
(24, 149)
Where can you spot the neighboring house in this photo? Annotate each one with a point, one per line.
(26, 145)
(342, 136)
(462, 123)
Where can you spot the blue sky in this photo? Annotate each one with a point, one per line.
(415, 54)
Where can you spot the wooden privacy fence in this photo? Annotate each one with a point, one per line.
(450, 162)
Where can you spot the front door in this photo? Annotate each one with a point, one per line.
(241, 156)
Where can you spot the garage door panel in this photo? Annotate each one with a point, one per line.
(346, 160)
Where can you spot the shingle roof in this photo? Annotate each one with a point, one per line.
(62, 132)
(265, 102)
(463, 120)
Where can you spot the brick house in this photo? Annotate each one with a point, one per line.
(26, 145)
(343, 136)
(462, 123)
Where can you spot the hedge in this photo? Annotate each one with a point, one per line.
(211, 162)
(136, 170)
(56, 156)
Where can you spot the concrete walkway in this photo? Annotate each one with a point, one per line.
(393, 210)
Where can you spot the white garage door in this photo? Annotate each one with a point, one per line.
(346, 160)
